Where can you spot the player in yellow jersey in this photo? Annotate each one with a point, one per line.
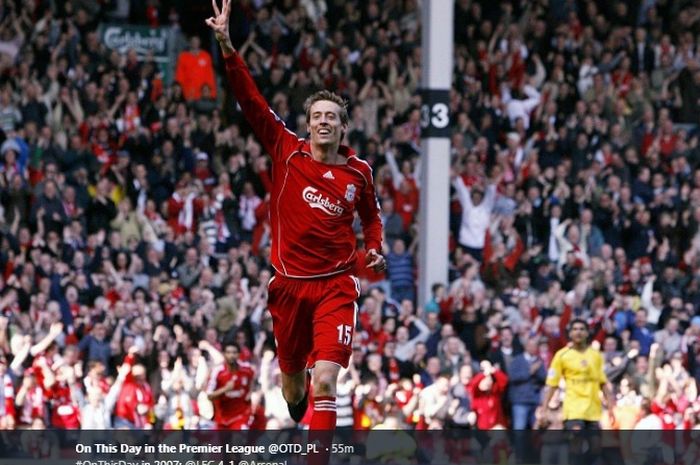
(582, 369)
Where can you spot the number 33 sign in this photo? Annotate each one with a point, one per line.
(435, 113)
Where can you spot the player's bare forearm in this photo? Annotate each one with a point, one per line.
(227, 47)
(547, 396)
(540, 415)
(609, 395)
(219, 24)
(217, 393)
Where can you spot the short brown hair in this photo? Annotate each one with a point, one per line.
(331, 97)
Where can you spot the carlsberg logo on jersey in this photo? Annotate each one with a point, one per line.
(317, 200)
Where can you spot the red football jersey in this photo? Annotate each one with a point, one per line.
(312, 204)
(65, 412)
(234, 406)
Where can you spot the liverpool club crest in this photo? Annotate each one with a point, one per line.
(350, 192)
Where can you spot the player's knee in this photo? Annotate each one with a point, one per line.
(324, 388)
(293, 393)
(294, 387)
(324, 383)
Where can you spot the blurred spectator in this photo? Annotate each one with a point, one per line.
(526, 377)
(8, 398)
(97, 407)
(486, 390)
(400, 270)
(669, 337)
(405, 347)
(134, 408)
(507, 350)
(392, 222)
(476, 213)
(435, 402)
(195, 72)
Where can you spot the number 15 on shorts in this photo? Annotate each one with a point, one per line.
(344, 334)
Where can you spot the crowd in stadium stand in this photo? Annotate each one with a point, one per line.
(135, 245)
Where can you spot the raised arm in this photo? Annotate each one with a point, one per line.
(250, 43)
(116, 388)
(16, 366)
(268, 127)
(648, 291)
(560, 231)
(217, 358)
(490, 196)
(533, 98)
(55, 330)
(396, 175)
(423, 330)
(417, 172)
(462, 192)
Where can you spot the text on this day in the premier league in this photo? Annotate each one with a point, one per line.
(282, 448)
(179, 462)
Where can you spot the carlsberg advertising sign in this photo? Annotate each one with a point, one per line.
(144, 40)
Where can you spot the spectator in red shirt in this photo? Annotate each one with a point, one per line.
(486, 390)
(30, 399)
(64, 393)
(134, 409)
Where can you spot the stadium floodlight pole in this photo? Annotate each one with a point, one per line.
(436, 81)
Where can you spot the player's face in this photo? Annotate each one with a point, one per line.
(230, 354)
(325, 125)
(578, 333)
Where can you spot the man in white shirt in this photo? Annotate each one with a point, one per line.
(520, 104)
(477, 206)
(669, 338)
(405, 347)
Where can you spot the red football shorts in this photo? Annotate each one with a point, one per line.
(241, 422)
(313, 319)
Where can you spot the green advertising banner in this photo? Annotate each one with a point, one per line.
(145, 41)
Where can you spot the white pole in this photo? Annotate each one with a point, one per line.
(436, 80)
